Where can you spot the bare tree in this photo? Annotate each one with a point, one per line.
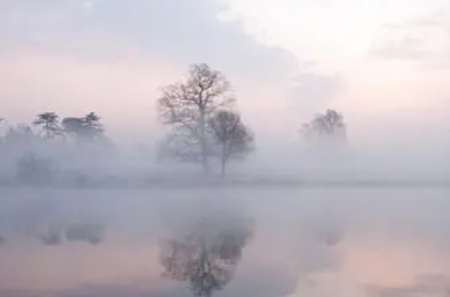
(329, 125)
(232, 137)
(187, 107)
(49, 123)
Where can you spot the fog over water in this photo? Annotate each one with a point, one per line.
(271, 242)
(224, 148)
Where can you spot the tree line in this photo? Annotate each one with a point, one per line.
(204, 123)
(200, 113)
(48, 126)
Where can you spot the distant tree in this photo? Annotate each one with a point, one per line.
(232, 137)
(93, 127)
(187, 107)
(20, 134)
(329, 125)
(34, 169)
(87, 128)
(73, 126)
(49, 123)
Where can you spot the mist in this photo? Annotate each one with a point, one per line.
(224, 148)
(270, 242)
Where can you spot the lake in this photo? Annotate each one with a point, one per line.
(262, 242)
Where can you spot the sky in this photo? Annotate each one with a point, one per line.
(383, 64)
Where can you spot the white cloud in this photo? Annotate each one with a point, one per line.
(182, 32)
(424, 39)
(74, 55)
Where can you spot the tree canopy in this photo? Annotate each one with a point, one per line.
(187, 106)
(232, 137)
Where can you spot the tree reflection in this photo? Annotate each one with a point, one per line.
(207, 255)
(53, 236)
(91, 233)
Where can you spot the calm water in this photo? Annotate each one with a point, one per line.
(225, 242)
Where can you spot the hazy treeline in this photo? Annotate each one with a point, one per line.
(50, 147)
(204, 127)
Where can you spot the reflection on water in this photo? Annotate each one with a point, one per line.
(227, 243)
(422, 285)
(91, 233)
(52, 237)
(206, 256)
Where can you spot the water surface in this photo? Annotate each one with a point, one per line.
(225, 242)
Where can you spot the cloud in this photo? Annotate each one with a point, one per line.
(422, 39)
(74, 56)
(178, 31)
(313, 91)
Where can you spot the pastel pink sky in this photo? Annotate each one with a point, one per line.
(383, 64)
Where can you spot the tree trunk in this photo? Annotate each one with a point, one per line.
(203, 145)
(222, 169)
(223, 162)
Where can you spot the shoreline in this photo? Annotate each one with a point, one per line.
(265, 183)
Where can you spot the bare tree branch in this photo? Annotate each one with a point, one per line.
(233, 138)
(187, 107)
(329, 125)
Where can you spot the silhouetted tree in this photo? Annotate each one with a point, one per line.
(187, 107)
(73, 126)
(88, 127)
(329, 125)
(49, 123)
(232, 137)
(206, 257)
(93, 127)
